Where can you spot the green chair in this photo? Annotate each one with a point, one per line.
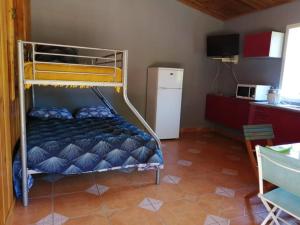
(257, 133)
(284, 172)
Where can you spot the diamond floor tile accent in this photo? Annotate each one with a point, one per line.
(184, 162)
(93, 190)
(151, 204)
(102, 189)
(230, 172)
(54, 218)
(97, 189)
(216, 220)
(226, 192)
(171, 179)
(52, 178)
(194, 151)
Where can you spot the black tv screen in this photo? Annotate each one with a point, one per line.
(223, 45)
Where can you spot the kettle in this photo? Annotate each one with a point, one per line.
(274, 96)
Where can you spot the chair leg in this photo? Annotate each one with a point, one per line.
(157, 176)
(271, 213)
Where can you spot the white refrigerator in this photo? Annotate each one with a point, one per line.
(164, 92)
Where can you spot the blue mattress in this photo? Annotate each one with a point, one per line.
(84, 145)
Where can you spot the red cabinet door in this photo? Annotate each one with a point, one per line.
(286, 124)
(257, 45)
(227, 111)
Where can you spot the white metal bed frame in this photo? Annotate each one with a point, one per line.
(110, 57)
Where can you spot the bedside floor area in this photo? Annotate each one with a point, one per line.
(205, 179)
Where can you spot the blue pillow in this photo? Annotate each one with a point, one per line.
(52, 112)
(94, 112)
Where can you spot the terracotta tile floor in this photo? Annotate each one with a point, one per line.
(205, 179)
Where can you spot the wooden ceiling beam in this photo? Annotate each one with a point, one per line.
(227, 9)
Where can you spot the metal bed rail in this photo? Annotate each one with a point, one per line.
(23, 47)
(85, 57)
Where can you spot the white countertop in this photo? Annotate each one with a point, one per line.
(294, 108)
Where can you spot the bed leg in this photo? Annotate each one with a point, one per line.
(25, 190)
(157, 176)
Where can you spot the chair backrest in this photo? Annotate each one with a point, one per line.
(279, 169)
(258, 132)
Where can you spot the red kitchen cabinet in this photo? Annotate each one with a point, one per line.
(286, 123)
(234, 113)
(227, 111)
(264, 44)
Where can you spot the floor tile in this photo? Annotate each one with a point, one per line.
(102, 188)
(54, 218)
(151, 204)
(97, 189)
(187, 190)
(171, 179)
(93, 219)
(52, 178)
(76, 204)
(184, 162)
(194, 151)
(184, 212)
(93, 190)
(226, 192)
(41, 188)
(164, 192)
(105, 211)
(216, 220)
(230, 172)
(36, 210)
(135, 216)
(236, 147)
(73, 183)
(233, 158)
(123, 198)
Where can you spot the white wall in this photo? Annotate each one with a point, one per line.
(259, 71)
(156, 32)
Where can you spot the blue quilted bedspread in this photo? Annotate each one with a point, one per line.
(83, 145)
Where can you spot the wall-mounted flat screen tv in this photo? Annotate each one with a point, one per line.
(223, 45)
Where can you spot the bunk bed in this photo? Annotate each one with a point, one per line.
(78, 145)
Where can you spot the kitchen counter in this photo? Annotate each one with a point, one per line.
(293, 108)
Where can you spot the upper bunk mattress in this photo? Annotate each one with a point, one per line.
(84, 145)
(73, 72)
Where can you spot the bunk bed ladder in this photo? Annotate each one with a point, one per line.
(102, 98)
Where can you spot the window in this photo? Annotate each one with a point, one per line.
(290, 76)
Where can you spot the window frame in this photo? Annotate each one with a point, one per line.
(288, 28)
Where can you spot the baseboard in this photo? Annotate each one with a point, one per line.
(220, 131)
(229, 134)
(187, 130)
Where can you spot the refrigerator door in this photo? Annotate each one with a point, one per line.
(170, 78)
(168, 113)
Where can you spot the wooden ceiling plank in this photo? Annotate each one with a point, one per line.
(228, 9)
